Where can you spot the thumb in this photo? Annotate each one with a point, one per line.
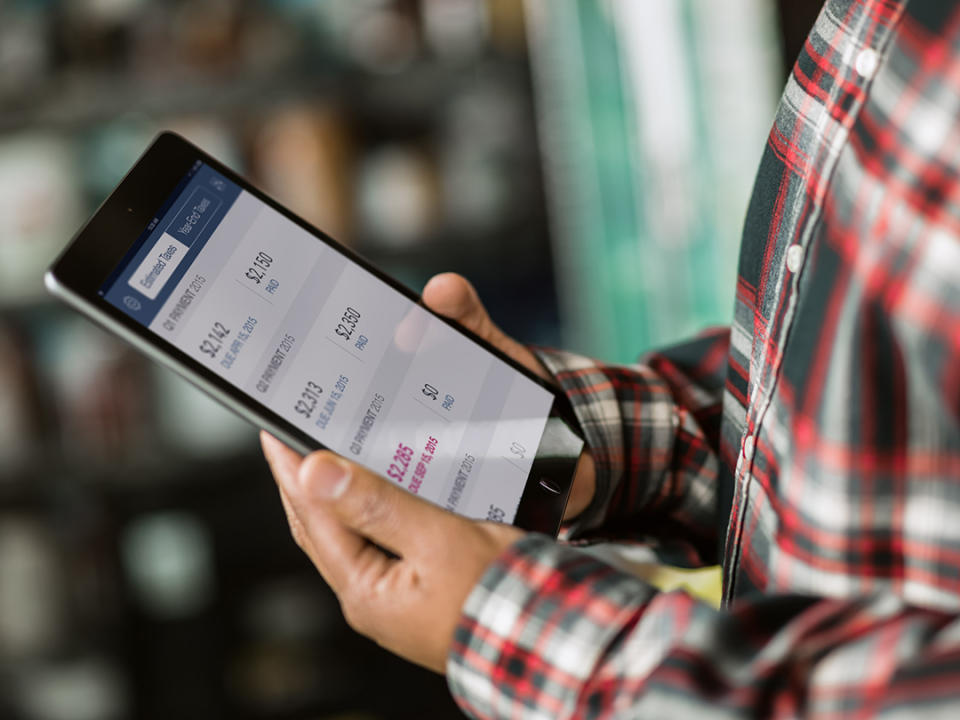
(366, 504)
(452, 296)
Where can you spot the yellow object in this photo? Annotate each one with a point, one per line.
(704, 583)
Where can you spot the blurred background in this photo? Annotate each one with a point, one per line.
(585, 164)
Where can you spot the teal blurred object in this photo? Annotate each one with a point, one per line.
(652, 118)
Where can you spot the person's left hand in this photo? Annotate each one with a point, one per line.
(410, 604)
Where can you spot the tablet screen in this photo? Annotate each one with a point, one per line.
(327, 345)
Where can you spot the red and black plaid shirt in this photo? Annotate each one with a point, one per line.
(820, 431)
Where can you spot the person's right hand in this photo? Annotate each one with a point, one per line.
(452, 296)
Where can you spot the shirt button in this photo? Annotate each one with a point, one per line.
(748, 446)
(794, 258)
(867, 61)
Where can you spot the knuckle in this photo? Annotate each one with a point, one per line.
(363, 592)
(350, 615)
(352, 604)
(374, 509)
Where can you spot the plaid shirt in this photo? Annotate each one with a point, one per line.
(820, 432)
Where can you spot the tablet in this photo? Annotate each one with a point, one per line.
(303, 337)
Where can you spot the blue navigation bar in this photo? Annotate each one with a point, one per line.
(172, 244)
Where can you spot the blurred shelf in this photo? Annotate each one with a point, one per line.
(162, 472)
(423, 88)
(93, 93)
(86, 99)
(459, 247)
(91, 99)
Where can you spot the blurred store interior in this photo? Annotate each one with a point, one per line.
(585, 164)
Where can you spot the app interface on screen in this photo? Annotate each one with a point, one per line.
(330, 347)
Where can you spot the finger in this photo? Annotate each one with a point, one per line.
(345, 560)
(453, 296)
(370, 506)
(284, 465)
(296, 527)
(411, 329)
(281, 459)
(584, 486)
(338, 552)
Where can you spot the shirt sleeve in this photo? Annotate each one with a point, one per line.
(552, 632)
(653, 429)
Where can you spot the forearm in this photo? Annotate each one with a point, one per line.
(552, 632)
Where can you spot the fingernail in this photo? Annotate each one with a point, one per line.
(324, 477)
